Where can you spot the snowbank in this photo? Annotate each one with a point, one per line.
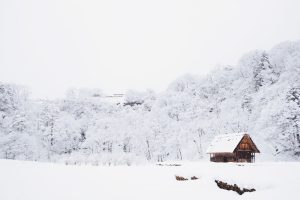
(34, 181)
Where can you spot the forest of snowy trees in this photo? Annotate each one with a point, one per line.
(261, 96)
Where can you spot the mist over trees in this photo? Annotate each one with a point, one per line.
(261, 96)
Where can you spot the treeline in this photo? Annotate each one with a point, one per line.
(261, 96)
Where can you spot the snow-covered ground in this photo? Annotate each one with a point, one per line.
(23, 180)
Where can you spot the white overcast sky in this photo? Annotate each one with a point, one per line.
(115, 45)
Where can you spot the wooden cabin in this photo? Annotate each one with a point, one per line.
(237, 147)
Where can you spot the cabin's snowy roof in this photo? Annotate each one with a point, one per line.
(225, 143)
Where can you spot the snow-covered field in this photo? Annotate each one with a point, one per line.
(23, 180)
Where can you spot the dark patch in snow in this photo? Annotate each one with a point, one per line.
(180, 178)
(226, 186)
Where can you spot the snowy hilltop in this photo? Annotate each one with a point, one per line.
(260, 96)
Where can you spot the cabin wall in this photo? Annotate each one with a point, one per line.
(245, 156)
(241, 156)
(222, 157)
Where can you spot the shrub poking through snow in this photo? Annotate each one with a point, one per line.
(180, 178)
(234, 187)
(194, 178)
